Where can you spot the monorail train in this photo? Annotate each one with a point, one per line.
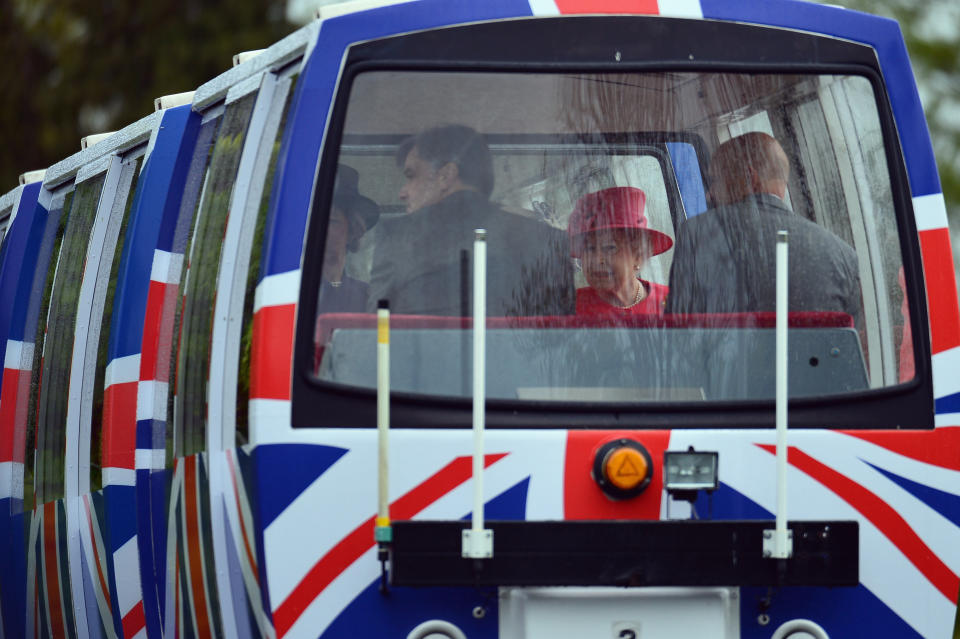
(197, 439)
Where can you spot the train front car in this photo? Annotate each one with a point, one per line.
(446, 118)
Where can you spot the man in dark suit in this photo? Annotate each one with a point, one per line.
(423, 261)
(725, 258)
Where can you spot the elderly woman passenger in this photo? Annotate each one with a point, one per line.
(351, 215)
(608, 232)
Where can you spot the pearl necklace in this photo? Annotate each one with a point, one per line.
(640, 296)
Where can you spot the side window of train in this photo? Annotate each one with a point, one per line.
(54, 344)
(36, 326)
(279, 110)
(200, 280)
(525, 156)
(104, 296)
(172, 311)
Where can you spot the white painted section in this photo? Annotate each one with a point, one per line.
(152, 400)
(220, 493)
(19, 355)
(113, 476)
(269, 421)
(9, 486)
(544, 8)
(166, 267)
(930, 212)
(946, 372)
(150, 458)
(619, 612)
(277, 290)
(127, 573)
(417, 455)
(122, 370)
(681, 8)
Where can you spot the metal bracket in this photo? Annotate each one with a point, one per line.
(769, 544)
(477, 546)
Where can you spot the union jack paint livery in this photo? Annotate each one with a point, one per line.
(196, 453)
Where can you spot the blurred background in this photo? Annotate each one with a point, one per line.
(76, 67)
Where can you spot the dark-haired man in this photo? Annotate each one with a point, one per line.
(423, 261)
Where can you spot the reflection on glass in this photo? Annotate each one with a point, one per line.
(253, 273)
(58, 345)
(131, 170)
(715, 164)
(201, 278)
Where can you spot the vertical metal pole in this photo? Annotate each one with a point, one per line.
(477, 542)
(781, 547)
(382, 529)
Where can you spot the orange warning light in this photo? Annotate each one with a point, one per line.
(622, 468)
(625, 468)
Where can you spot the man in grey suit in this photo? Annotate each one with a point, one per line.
(725, 258)
(423, 261)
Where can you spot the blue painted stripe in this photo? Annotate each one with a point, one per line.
(283, 472)
(947, 504)
(157, 197)
(300, 149)
(948, 404)
(14, 260)
(881, 33)
(13, 570)
(39, 242)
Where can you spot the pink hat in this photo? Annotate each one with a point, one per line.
(620, 207)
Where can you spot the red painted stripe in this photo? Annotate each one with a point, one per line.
(608, 6)
(20, 419)
(96, 555)
(8, 412)
(271, 353)
(887, 520)
(941, 289)
(120, 425)
(361, 540)
(134, 621)
(165, 345)
(151, 330)
(243, 527)
(582, 497)
(51, 573)
(194, 551)
(938, 447)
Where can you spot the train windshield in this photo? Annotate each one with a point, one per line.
(631, 224)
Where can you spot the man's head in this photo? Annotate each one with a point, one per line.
(750, 163)
(441, 161)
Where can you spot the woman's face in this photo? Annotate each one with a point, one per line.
(609, 260)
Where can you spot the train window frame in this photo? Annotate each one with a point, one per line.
(127, 166)
(197, 381)
(60, 328)
(178, 270)
(529, 46)
(286, 78)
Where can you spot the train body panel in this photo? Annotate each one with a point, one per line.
(188, 441)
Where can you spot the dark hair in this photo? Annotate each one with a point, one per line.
(458, 144)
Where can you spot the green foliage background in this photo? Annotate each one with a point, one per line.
(76, 67)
